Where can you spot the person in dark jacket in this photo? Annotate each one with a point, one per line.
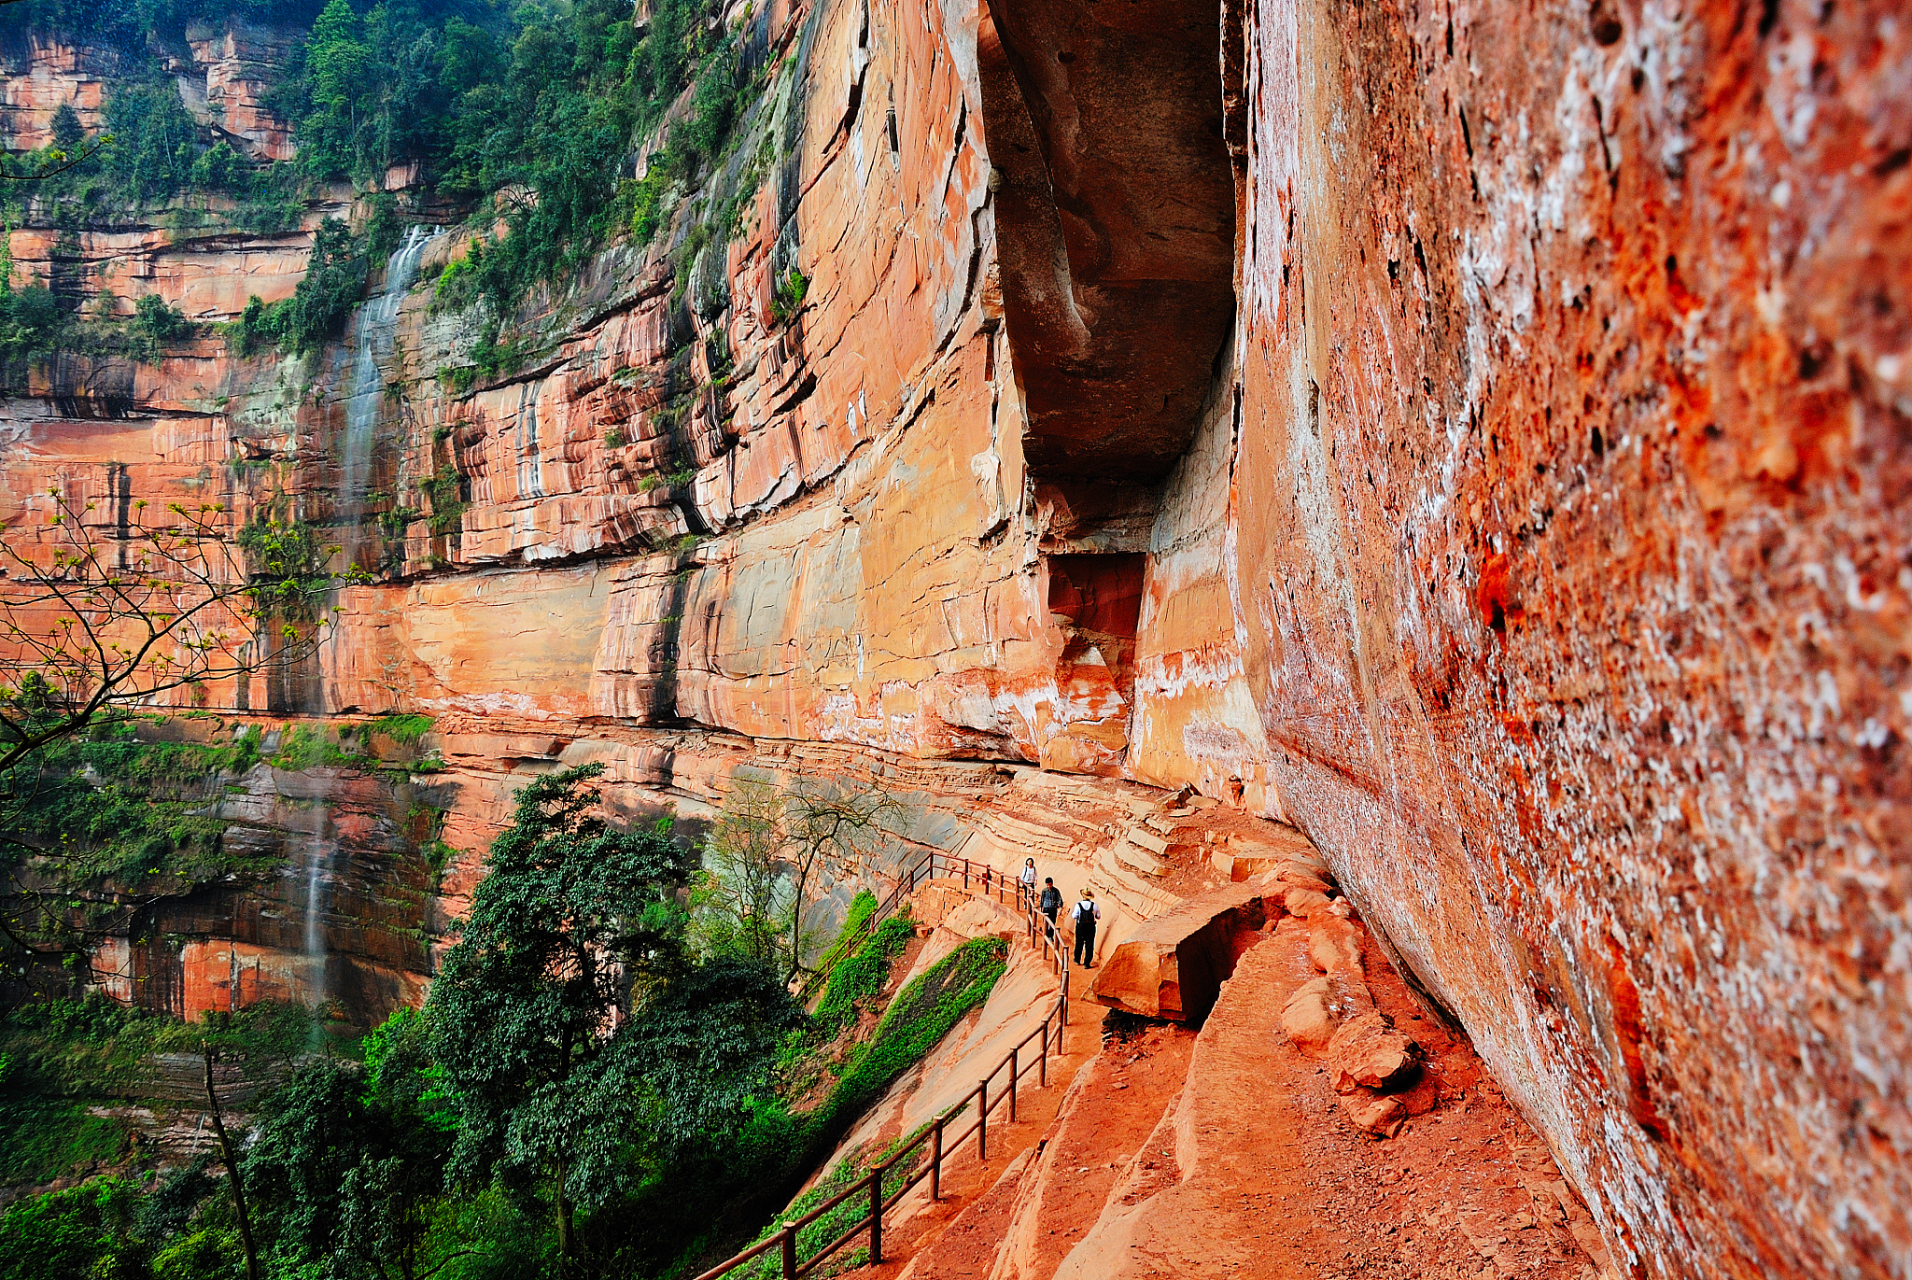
(1084, 919)
(1051, 898)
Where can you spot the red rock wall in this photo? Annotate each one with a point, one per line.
(223, 72)
(1539, 545)
(1570, 574)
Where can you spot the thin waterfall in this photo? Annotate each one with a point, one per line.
(316, 842)
(365, 392)
(318, 865)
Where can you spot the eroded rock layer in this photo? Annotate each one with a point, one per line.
(1478, 436)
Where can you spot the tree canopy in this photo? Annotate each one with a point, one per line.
(571, 916)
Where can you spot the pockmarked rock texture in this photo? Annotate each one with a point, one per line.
(1478, 437)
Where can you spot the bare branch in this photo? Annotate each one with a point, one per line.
(182, 608)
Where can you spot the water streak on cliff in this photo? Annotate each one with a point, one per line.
(366, 387)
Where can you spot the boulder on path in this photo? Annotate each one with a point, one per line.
(1367, 1053)
(1303, 875)
(1174, 965)
(1308, 1018)
(1334, 944)
(1380, 1116)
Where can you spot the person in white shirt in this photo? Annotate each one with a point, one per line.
(1084, 918)
(1028, 880)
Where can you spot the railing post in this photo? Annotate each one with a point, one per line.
(789, 1252)
(876, 1214)
(1012, 1086)
(965, 875)
(982, 1122)
(936, 1160)
(1042, 1067)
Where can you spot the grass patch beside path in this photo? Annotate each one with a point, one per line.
(863, 975)
(921, 1014)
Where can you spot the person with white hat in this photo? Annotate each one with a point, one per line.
(1084, 918)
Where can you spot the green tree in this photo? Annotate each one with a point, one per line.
(571, 917)
(337, 63)
(85, 1231)
(333, 283)
(344, 1170)
(700, 1052)
(154, 142)
(68, 132)
(765, 857)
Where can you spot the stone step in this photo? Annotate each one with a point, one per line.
(1129, 890)
(1147, 840)
(1040, 841)
(1140, 860)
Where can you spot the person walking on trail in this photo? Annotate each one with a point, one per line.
(1028, 879)
(1051, 899)
(1084, 918)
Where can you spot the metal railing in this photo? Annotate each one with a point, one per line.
(981, 881)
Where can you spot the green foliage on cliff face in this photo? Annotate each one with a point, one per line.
(69, 1059)
(405, 730)
(155, 327)
(33, 324)
(124, 24)
(920, 1015)
(524, 116)
(106, 806)
(860, 977)
(156, 155)
(317, 311)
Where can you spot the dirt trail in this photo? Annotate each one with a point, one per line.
(1170, 1153)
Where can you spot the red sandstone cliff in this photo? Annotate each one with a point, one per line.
(1524, 517)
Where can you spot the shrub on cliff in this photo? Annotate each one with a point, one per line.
(85, 1231)
(334, 282)
(155, 327)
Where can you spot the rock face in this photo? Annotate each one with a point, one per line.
(1480, 437)
(1173, 965)
(223, 75)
